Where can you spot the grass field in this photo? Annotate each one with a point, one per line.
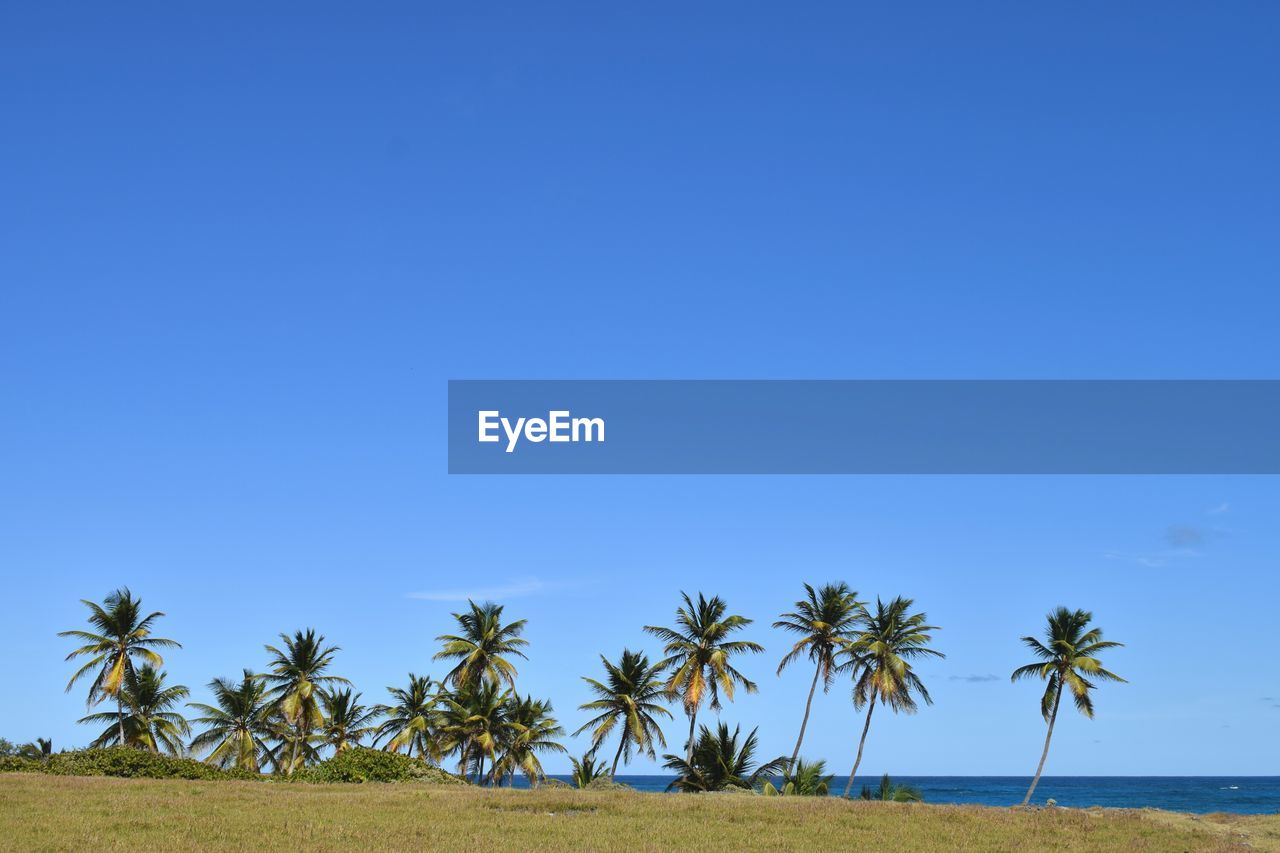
(39, 812)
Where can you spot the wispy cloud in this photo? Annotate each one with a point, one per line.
(1184, 536)
(515, 589)
(975, 679)
(1221, 509)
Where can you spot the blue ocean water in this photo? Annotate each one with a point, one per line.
(1202, 794)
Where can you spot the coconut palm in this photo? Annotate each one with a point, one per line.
(881, 657)
(149, 723)
(530, 730)
(346, 721)
(237, 726)
(826, 621)
(698, 654)
(889, 792)
(720, 762)
(473, 723)
(120, 634)
(804, 779)
(482, 646)
(297, 678)
(630, 696)
(1067, 657)
(412, 720)
(39, 750)
(587, 769)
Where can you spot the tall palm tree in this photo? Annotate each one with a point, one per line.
(530, 729)
(297, 677)
(412, 720)
(150, 723)
(826, 621)
(630, 695)
(237, 726)
(881, 659)
(698, 654)
(1067, 657)
(481, 646)
(346, 721)
(121, 633)
(720, 762)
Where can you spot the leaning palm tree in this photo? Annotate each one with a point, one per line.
(149, 722)
(237, 727)
(530, 730)
(698, 654)
(346, 721)
(826, 621)
(720, 763)
(121, 633)
(297, 678)
(630, 696)
(482, 646)
(1066, 658)
(412, 720)
(881, 660)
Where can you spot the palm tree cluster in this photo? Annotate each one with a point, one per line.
(296, 710)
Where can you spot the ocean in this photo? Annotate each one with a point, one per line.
(1239, 794)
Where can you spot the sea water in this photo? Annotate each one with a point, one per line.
(1240, 794)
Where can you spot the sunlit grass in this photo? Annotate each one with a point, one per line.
(39, 812)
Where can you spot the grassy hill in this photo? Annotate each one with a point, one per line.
(40, 812)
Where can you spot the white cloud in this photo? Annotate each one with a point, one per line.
(515, 589)
(1221, 509)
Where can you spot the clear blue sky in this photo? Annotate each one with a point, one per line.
(241, 253)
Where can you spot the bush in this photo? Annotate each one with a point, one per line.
(134, 764)
(606, 783)
(17, 764)
(374, 765)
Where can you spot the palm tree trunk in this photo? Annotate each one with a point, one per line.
(805, 722)
(622, 742)
(120, 716)
(1048, 735)
(480, 770)
(688, 747)
(861, 743)
(297, 743)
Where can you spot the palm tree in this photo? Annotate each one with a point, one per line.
(237, 727)
(412, 719)
(888, 792)
(530, 729)
(482, 645)
(149, 723)
(629, 695)
(297, 676)
(39, 750)
(586, 769)
(881, 658)
(474, 718)
(120, 634)
(346, 721)
(804, 779)
(720, 763)
(698, 655)
(1067, 657)
(826, 621)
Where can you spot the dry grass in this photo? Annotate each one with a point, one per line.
(40, 812)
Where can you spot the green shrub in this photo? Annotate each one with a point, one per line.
(375, 765)
(17, 764)
(134, 764)
(606, 783)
